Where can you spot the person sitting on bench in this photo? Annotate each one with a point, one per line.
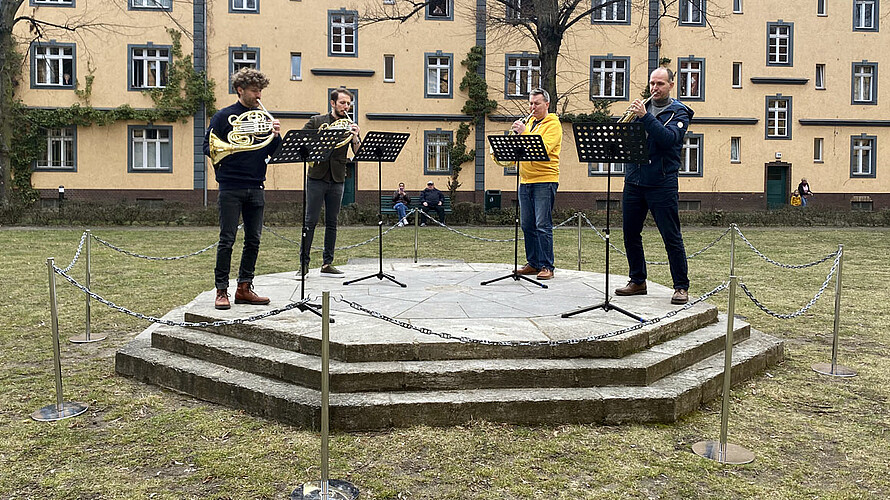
(433, 199)
(401, 202)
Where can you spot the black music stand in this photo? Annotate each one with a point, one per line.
(306, 146)
(517, 148)
(608, 143)
(380, 147)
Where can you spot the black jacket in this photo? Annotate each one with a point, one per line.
(432, 196)
(337, 161)
(242, 170)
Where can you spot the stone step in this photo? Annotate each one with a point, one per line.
(353, 336)
(637, 369)
(662, 401)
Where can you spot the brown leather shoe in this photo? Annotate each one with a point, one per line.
(632, 289)
(222, 299)
(681, 296)
(545, 274)
(527, 270)
(245, 295)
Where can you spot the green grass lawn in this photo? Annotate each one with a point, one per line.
(813, 436)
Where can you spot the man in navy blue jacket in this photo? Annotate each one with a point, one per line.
(240, 176)
(653, 187)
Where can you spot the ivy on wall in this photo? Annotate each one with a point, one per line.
(186, 91)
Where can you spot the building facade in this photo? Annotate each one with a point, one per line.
(779, 94)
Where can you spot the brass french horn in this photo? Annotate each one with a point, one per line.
(251, 130)
(344, 124)
(508, 164)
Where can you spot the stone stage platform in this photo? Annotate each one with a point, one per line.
(383, 374)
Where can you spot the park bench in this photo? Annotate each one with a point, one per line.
(386, 203)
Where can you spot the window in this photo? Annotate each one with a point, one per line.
(817, 149)
(865, 15)
(865, 83)
(692, 12)
(611, 11)
(862, 203)
(296, 65)
(525, 10)
(352, 112)
(52, 3)
(691, 79)
(523, 75)
(862, 156)
(437, 144)
(389, 69)
(692, 155)
(151, 4)
(151, 149)
(438, 75)
(735, 149)
(594, 169)
(736, 6)
(780, 44)
(736, 75)
(778, 117)
(242, 57)
(439, 10)
(59, 151)
(689, 205)
(342, 33)
(148, 67)
(821, 7)
(52, 65)
(820, 77)
(245, 6)
(608, 77)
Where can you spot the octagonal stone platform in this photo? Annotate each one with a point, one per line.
(383, 374)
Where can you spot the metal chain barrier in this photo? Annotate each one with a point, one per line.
(803, 309)
(148, 257)
(428, 216)
(468, 340)
(347, 247)
(83, 239)
(786, 266)
(153, 319)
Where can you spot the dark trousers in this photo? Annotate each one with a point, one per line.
(664, 205)
(440, 211)
(247, 204)
(329, 194)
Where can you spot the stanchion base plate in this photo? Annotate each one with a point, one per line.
(82, 339)
(337, 490)
(734, 453)
(838, 371)
(51, 413)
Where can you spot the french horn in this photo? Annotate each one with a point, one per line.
(251, 130)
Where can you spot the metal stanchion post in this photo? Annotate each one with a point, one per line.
(86, 337)
(578, 215)
(325, 489)
(416, 231)
(835, 369)
(62, 409)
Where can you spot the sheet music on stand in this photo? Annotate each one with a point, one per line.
(611, 142)
(306, 145)
(518, 148)
(381, 146)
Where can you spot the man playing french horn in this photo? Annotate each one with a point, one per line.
(240, 173)
(326, 181)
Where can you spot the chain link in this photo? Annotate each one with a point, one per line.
(83, 238)
(803, 309)
(347, 247)
(148, 257)
(523, 343)
(186, 324)
(786, 266)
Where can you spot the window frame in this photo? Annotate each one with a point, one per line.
(819, 79)
(330, 41)
(626, 76)
(788, 110)
(426, 75)
(524, 56)
(769, 46)
(517, 14)
(873, 86)
(53, 45)
(618, 168)
(449, 16)
(426, 156)
(72, 138)
(873, 153)
(157, 7)
(818, 150)
(131, 65)
(233, 10)
(231, 63)
(700, 5)
(735, 149)
(613, 7)
(737, 84)
(51, 3)
(684, 154)
(736, 6)
(296, 76)
(391, 78)
(701, 80)
(131, 146)
(822, 8)
(875, 15)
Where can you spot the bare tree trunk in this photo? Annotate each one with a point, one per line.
(8, 9)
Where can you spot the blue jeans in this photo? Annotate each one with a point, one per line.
(249, 205)
(330, 194)
(536, 219)
(401, 209)
(664, 204)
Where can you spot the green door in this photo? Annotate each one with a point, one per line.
(776, 186)
(349, 185)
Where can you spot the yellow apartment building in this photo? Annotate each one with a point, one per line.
(781, 91)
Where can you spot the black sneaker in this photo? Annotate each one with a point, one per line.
(329, 270)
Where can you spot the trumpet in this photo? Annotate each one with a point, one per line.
(507, 164)
(630, 115)
(251, 130)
